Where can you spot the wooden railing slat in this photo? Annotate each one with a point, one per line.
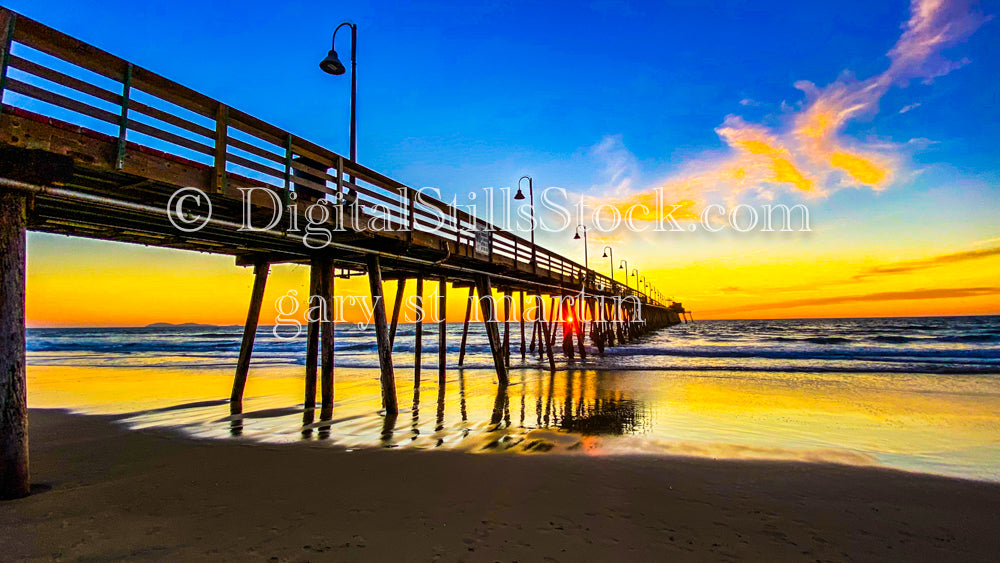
(178, 140)
(64, 102)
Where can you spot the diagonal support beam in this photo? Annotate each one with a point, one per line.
(260, 272)
(387, 376)
(492, 331)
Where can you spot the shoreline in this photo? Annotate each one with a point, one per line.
(156, 495)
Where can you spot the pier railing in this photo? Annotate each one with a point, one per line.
(54, 75)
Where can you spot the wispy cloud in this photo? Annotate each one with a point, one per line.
(916, 294)
(810, 154)
(908, 266)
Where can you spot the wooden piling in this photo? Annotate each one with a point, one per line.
(442, 329)
(312, 336)
(418, 332)
(387, 377)
(567, 326)
(260, 271)
(396, 307)
(492, 332)
(524, 352)
(580, 322)
(14, 476)
(326, 340)
(544, 339)
(596, 335)
(507, 301)
(465, 325)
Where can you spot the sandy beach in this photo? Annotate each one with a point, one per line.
(105, 493)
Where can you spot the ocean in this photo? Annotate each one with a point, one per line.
(920, 394)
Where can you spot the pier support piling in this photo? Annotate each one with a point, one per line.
(442, 329)
(507, 302)
(326, 340)
(312, 336)
(260, 271)
(524, 352)
(465, 325)
(387, 377)
(14, 477)
(396, 306)
(418, 333)
(544, 339)
(492, 332)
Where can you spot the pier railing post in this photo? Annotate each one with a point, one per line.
(260, 271)
(14, 477)
(387, 377)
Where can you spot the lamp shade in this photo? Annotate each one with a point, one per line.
(332, 65)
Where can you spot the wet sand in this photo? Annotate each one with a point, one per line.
(107, 493)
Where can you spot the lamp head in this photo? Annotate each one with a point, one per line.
(332, 65)
(576, 236)
(519, 195)
(605, 254)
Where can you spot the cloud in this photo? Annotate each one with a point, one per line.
(750, 103)
(810, 154)
(932, 262)
(916, 294)
(910, 107)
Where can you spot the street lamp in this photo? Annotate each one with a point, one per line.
(623, 265)
(586, 260)
(531, 203)
(332, 65)
(608, 249)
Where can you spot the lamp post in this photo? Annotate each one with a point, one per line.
(608, 249)
(623, 265)
(586, 259)
(332, 65)
(531, 204)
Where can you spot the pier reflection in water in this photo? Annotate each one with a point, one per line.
(576, 402)
(537, 411)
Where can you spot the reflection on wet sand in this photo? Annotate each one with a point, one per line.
(918, 421)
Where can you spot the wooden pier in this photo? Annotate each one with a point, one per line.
(94, 146)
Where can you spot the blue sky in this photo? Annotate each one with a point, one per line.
(453, 94)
